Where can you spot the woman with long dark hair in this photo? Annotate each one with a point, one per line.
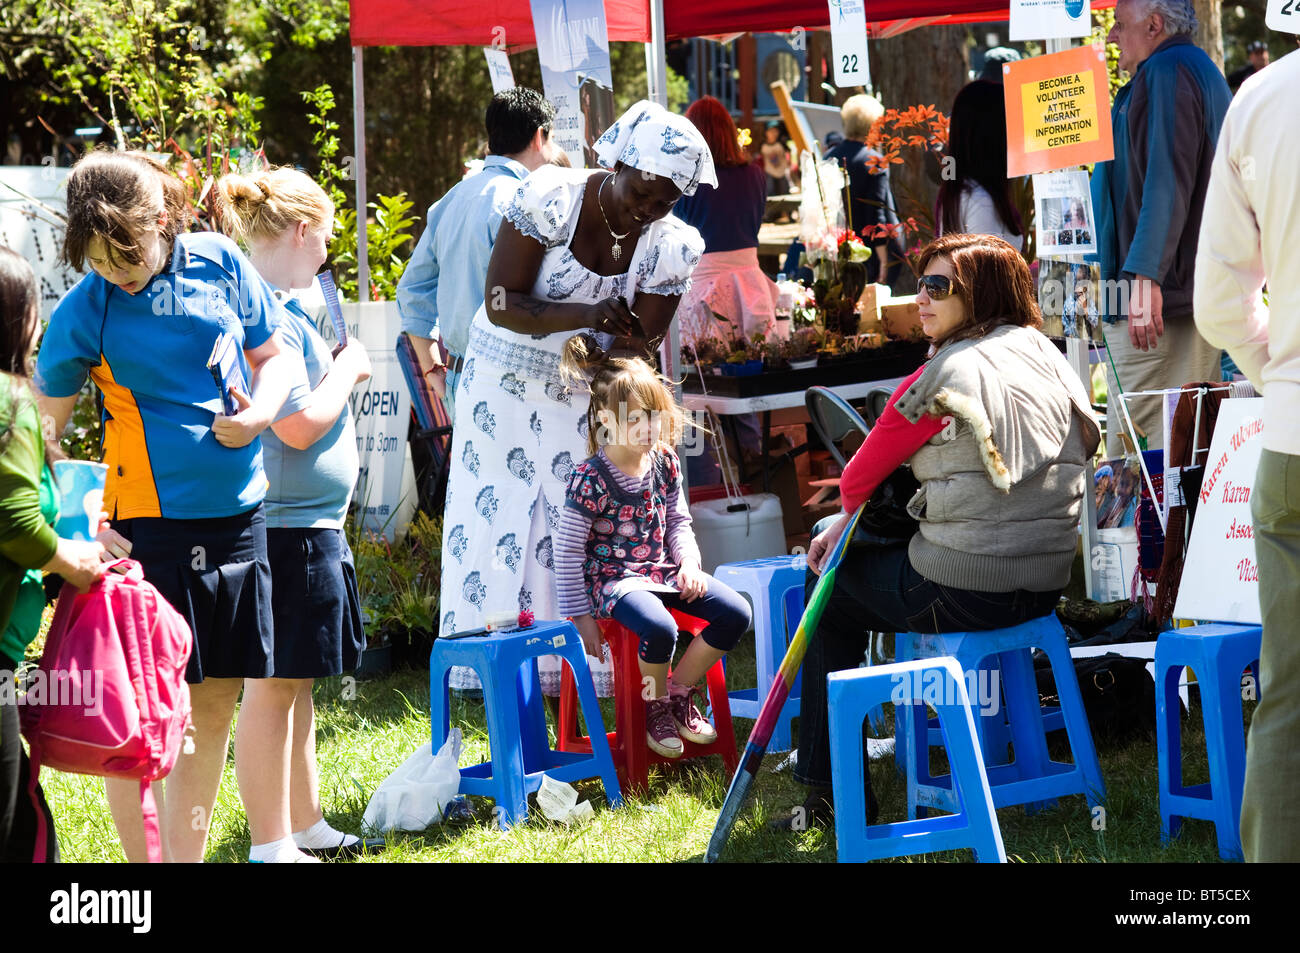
(29, 505)
(975, 197)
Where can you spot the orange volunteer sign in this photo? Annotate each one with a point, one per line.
(1058, 111)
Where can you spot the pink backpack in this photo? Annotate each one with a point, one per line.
(115, 702)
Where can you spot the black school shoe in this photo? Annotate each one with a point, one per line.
(366, 845)
(818, 810)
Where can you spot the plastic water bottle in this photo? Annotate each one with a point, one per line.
(784, 304)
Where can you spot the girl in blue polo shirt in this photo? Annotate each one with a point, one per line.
(284, 219)
(185, 482)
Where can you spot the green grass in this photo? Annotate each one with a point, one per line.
(361, 740)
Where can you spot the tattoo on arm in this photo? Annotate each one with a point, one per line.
(533, 306)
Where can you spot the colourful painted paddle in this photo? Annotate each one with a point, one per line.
(756, 747)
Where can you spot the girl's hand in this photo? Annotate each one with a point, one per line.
(592, 637)
(113, 544)
(356, 359)
(825, 544)
(692, 581)
(241, 429)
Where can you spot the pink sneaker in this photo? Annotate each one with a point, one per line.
(661, 729)
(691, 725)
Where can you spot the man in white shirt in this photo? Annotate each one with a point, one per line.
(1248, 237)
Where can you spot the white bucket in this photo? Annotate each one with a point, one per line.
(732, 531)
(1114, 558)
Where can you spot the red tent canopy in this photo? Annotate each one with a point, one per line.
(485, 22)
(474, 22)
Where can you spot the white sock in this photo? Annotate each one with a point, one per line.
(282, 851)
(320, 835)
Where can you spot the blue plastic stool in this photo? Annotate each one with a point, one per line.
(506, 664)
(1218, 653)
(995, 732)
(1033, 778)
(767, 582)
(851, 695)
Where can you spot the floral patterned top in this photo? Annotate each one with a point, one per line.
(627, 546)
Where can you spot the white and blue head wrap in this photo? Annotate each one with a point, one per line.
(651, 139)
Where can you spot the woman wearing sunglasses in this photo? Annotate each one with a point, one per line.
(997, 428)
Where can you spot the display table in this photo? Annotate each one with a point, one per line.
(788, 405)
(773, 242)
(766, 403)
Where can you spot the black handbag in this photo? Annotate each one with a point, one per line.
(1118, 692)
(885, 520)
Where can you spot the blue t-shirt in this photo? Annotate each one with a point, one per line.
(148, 353)
(729, 216)
(310, 488)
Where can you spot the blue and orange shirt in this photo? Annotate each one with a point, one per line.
(148, 353)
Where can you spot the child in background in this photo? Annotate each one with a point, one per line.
(285, 220)
(624, 550)
(776, 160)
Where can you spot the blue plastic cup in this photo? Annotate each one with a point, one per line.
(81, 484)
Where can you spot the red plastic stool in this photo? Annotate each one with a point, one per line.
(627, 744)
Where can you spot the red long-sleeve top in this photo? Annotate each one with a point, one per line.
(892, 442)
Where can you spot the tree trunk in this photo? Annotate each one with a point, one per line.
(925, 66)
(1209, 29)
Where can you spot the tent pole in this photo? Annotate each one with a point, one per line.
(656, 64)
(1078, 354)
(359, 170)
(656, 69)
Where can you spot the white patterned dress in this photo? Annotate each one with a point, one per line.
(519, 431)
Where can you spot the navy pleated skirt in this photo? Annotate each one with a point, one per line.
(215, 572)
(318, 625)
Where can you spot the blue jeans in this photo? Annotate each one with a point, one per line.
(877, 590)
(450, 400)
(646, 613)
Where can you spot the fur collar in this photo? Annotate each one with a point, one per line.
(946, 402)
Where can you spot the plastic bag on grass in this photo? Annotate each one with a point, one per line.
(416, 794)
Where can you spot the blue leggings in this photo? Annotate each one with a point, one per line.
(646, 613)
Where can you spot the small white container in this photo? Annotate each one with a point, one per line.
(1114, 558)
(737, 529)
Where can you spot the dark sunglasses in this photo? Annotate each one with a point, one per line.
(937, 287)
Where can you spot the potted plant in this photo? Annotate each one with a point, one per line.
(746, 358)
(415, 606)
(372, 555)
(776, 353)
(802, 349)
(803, 314)
(829, 344)
(707, 352)
(399, 584)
